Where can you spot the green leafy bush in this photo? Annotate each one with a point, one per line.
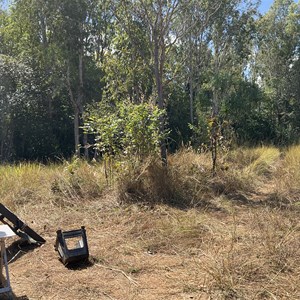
(125, 128)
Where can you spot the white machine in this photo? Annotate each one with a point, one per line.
(5, 232)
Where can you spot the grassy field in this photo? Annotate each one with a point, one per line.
(157, 234)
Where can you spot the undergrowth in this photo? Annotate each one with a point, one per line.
(187, 182)
(287, 177)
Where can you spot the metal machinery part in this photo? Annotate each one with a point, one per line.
(18, 226)
(72, 252)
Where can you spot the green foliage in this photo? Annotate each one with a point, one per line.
(27, 129)
(125, 128)
(16, 93)
(201, 60)
(276, 64)
(127, 70)
(178, 118)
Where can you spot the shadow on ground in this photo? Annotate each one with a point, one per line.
(12, 296)
(19, 248)
(20, 298)
(270, 200)
(81, 265)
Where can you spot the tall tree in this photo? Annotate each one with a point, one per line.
(276, 62)
(159, 19)
(230, 32)
(64, 43)
(23, 39)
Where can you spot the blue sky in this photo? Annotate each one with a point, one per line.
(265, 5)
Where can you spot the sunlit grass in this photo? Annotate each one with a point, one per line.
(182, 224)
(188, 181)
(265, 160)
(287, 180)
(65, 182)
(25, 182)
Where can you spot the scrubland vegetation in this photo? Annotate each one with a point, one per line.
(186, 183)
(157, 233)
(112, 84)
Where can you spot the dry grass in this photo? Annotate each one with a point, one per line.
(62, 184)
(188, 181)
(164, 253)
(24, 183)
(215, 248)
(287, 181)
(78, 180)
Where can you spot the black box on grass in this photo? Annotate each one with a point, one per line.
(72, 245)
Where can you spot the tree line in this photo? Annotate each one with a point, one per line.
(133, 75)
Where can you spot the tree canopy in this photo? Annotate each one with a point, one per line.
(146, 75)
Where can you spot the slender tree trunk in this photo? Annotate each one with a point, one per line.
(80, 99)
(76, 131)
(214, 131)
(191, 81)
(191, 99)
(158, 70)
(215, 116)
(45, 43)
(2, 149)
(76, 114)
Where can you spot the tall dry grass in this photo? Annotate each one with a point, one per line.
(235, 252)
(187, 182)
(25, 182)
(56, 183)
(247, 170)
(287, 177)
(78, 180)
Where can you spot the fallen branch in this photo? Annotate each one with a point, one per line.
(119, 271)
(108, 296)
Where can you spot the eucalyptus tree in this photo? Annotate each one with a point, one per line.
(195, 44)
(3, 20)
(126, 67)
(276, 63)
(231, 31)
(82, 35)
(64, 43)
(71, 37)
(22, 132)
(23, 42)
(160, 20)
(10, 77)
(27, 37)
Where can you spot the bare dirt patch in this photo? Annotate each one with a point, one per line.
(235, 252)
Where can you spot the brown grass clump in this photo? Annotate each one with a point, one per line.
(183, 183)
(150, 183)
(64, 183)
(78, 180)
(287, 177)
(188, 180)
